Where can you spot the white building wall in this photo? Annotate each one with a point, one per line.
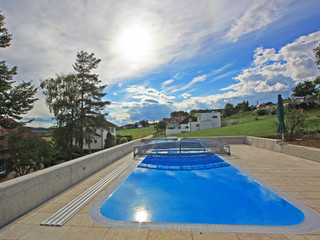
(185, 127)
(204, 121)
(216, 123)
(205, 125)
(172, 123)
(173, 131)
(209, 120)
(98, 141)
(173, 127)
(194, 126)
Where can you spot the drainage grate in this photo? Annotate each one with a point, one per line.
(64, 214)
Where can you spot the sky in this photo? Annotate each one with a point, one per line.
(161, 56)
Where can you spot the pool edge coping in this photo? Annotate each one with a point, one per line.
(309, 225)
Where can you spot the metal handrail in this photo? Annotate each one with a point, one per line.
(182, 146)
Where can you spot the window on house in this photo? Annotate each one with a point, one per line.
(95, 141)
(112, 130)
(197, 125)
(214, 116)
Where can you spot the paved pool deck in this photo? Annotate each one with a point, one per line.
(297, 177)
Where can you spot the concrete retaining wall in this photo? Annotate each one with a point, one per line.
(229, 139)
(20, 195)
(294, 150)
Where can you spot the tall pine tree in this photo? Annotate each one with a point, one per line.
(14, 100)
(91, 92)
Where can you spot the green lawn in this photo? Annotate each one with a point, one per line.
(312, 122)
(136, 132)
(48, 139)
(249, 126)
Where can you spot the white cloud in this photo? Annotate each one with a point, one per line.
(54, 34)
(201, 78)
(167, 82)
(39, 110)
(141, 102)
(271, 72)
(263, 86)
(292, 64)
(147, 95)
(185, 95)
(120, 84)
(219, 70)
(227, 74)
(260, 14)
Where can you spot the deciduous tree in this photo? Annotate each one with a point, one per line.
(317, 55)
(317, 80)
(63, 99)
(179, 114)
(27, 153)
(228, 110)
(304, 89)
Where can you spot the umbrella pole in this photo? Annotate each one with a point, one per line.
(282, 137)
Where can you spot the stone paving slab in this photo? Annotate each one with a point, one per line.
(297, 177)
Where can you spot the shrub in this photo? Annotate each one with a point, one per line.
(123, 140)
(261, 111)
(295, 124)
(109, 141)
(272, 110)
(129, 137)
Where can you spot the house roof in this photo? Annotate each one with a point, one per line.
(166, 120)
(178, 119)
(110, 124)
(6, 131)
(181, 120)
(187, 119)
(101, 121)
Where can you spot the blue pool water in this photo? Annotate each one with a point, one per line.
(196, 189)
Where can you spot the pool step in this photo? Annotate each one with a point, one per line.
(64, 214)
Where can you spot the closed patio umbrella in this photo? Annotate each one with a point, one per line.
(280, 112)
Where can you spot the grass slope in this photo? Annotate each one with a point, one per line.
(249, 126)
(137, 132)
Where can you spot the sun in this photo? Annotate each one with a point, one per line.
(135, 43)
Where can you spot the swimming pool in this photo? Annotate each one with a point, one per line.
(193, 192)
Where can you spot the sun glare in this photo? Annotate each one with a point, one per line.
(141, 215)
(135, 43)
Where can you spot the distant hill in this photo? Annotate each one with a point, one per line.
(42, 132)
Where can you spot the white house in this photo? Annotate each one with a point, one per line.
(97, 142)
(201, 121)
(209, 120)
(173, 125)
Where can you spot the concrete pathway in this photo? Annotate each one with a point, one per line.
(296, 177)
